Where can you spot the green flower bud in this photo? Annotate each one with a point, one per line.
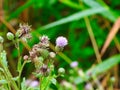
(52, 54)
(1, 39)
(10, 36)
(61, 71)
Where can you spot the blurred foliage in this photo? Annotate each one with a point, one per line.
(65, 18)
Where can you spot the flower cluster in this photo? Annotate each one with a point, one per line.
(42, 57)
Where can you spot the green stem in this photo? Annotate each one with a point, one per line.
(22, 68)
(67, 59)
(19, 61)
(41, 82)
(93, 39)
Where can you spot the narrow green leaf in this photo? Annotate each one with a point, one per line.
(74, 17)
(100, 68)
(108, 13)
(3, 81)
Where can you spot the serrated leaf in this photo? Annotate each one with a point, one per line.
(5, 81)
(3, 59)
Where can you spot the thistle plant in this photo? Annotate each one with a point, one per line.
(40, 55)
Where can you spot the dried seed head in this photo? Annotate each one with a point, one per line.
(44, 70)
(44, 41)
(25, 28)
(24, 32)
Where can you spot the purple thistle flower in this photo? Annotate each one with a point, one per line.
(61, 41)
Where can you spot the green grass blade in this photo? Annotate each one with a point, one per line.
(100, 68)
(20, 9)
(74, 17)
(109, 14)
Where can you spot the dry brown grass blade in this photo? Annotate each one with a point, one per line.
(111, 35)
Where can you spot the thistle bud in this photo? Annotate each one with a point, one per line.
(10, 36)
(52, 54)
(25, 57)
(61, 71)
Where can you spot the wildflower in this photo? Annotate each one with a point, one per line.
(10, 36)
(74, 64)
(88, 86)
(61, 41)
(32, 83)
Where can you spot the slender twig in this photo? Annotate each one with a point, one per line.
(7, 25)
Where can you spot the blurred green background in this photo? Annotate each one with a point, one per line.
(85, 23)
